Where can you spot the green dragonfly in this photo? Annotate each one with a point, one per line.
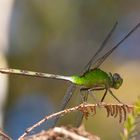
(91, 79)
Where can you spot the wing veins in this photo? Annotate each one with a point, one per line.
(65, 100)
(104, 57)
(88, 65)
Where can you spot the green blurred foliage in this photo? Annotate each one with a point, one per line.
(131, 125)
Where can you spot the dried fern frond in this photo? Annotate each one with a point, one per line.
(113, 110)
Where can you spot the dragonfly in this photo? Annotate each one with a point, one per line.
(92, 78)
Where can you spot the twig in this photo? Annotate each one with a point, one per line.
(4, 135)
(112, 109)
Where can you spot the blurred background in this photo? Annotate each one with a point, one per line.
(60, 37)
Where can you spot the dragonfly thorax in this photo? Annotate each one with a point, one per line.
(116, 80)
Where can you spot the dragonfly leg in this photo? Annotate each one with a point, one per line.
(93, 89)
(84, 96)
(93, 96)
(84, 89)
(114, 96)
(98, 88)
(104, 95)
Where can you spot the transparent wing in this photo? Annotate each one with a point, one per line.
(79, 119)
(97, 63)
(65, 100)
(80, 115)
(88, 65)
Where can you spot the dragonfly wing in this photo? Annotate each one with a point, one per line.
(79, 119)
(80, 115)
(65, 100)
(98, 62)
(88, 65)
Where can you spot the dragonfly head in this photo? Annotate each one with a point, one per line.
(117, 80)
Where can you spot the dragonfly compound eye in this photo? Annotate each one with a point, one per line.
(117, 80)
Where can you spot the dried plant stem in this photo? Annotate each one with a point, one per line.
(112, 110)
(4, 135)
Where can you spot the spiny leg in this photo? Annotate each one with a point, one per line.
(114, 96)
(92, 95)
(84, 96)
(104, 95)
(98, 88)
